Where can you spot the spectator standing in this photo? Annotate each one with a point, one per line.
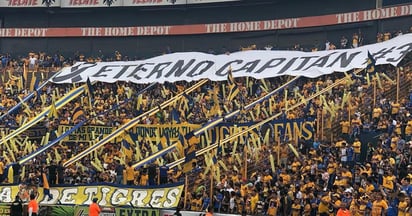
(209, 211)
(52, 173)
(1, 169)
(16, 207)
(16, 173)
(119, 172)
(60, 173)
(152, 174)
(33, 207)
(343, 211)
(129, 174)
(94, 209)
(163, 173)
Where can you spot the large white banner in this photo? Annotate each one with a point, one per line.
(190, 66)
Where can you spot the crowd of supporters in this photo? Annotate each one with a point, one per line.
(330, 175)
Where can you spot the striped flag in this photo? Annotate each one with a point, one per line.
(77, 113)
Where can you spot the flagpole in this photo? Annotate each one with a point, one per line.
(317, 123)
(132, 123)
(212, 176)
(252, 127)
(185, 196)
(278, 151)
(374, 92)
(322, 124)
(397, 84)
(245, 152)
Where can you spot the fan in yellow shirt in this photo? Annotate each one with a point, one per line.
(408, 129)
(357, 148)
(395, 108)
(379, 206)
(403, 206)
(296, 207)
(274, 202)
(389, 180)
(253, 201)
(323, 207)
(376, 114)
(345, 127)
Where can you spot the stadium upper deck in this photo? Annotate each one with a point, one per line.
(214, 27)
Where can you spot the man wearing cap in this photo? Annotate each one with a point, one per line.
(94, 209)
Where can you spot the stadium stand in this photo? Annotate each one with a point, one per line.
(358, 157)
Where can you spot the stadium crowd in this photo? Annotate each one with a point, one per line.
(330, 176)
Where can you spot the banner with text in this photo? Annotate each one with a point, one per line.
(130, 3)
(101, 3)
(33, 132)
(302, 128)
(192, 66)
(85, 133)
(111, 195)
(207, 28)
(28, 3)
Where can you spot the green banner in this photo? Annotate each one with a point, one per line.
(4, 210)
(136, 212)
(66, 210)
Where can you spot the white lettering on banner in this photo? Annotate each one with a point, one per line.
(259, 64)
(90, 193)
(119, 196)
(67, 196)
(91, 31)
(281, 23)
(381, 13)
(167, 197)
(118, 31)
(146, 1)
(406, 10)
(104, 191)
(245, 26)
(83, 2)
(23, 3)
(5, 194)
(348, 17)
(30, 32)
(216, 28)
(153, 30)
(5, 32)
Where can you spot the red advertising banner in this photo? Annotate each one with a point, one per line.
(248, 26)
(100, 3)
